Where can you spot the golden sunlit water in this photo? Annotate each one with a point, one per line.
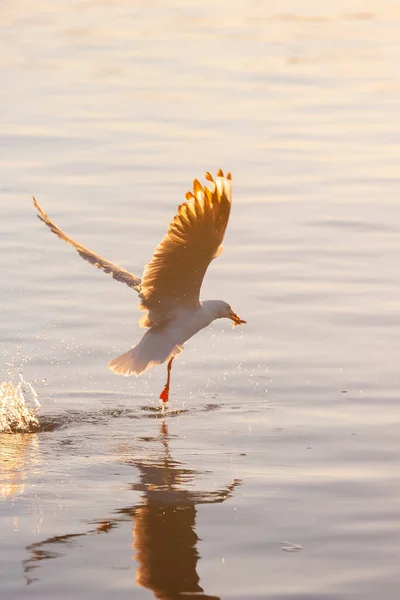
(273, 474)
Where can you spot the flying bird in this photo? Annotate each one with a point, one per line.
(170, 287)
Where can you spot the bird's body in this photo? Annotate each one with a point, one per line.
(165, 341)
(170, 287)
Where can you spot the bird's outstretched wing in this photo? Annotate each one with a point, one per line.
(176, 271)
(117, 272)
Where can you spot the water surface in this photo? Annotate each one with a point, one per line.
(275, 472)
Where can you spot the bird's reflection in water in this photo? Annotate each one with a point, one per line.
(164, 527)
(164, 534)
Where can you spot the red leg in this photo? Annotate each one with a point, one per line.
(164, 396)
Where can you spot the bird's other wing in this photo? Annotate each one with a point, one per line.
(176, 271)
(117, 272)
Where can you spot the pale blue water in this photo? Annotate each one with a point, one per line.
(275, 474)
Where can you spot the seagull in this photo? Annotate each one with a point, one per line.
(170, 286)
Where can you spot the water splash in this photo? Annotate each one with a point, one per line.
(18, 407)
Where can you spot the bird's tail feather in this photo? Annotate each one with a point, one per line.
(153, 349)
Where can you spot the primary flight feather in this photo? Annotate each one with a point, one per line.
(170, 287)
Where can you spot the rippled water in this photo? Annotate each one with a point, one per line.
(275, 472)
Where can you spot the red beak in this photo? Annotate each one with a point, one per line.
(236, 319)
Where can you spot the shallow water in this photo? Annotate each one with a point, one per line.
(274, 473)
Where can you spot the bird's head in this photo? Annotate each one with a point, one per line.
(223, 310)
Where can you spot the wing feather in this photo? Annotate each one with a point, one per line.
(98, 261)
(176, 271)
